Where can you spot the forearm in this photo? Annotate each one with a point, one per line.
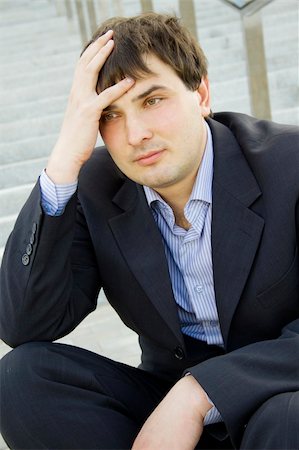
(177, 422)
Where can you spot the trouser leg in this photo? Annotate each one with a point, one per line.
(55, 396)
(275, 425)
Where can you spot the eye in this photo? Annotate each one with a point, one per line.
(108, 116)
(153, 101)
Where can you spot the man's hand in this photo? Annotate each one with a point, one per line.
(80, 127)
(177, 422)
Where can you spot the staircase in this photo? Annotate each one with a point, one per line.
(39, 49)
(38, 53)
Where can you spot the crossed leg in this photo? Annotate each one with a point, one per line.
(56, 396)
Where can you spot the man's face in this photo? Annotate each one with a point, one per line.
(155, 132)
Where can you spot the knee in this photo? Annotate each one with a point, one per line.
(280, 408)
(274, 424)
(18, 368)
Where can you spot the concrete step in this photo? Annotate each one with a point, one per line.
(28, 148)
(12, 199)
(289, 116)
(28, 77)
(286, 99)
(38, 23)
(40, 62)
(39, 51)
(39, 91)
(6, 226)
(30, 110)
(48, 46)
(30, 127)
(20, 173)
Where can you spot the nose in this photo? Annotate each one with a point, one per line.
(137, 130)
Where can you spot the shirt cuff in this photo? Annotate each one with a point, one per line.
(212, 416)
(54, 197)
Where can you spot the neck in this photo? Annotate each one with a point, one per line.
(176, 197)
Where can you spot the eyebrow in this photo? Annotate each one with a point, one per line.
(141, 96)
(153, 88)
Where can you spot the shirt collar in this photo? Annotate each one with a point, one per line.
(202, 188)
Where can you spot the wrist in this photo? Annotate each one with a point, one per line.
(62, 170)
(197, 397)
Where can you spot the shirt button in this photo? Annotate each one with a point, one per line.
(213, 323)
(198, 288)
(25, 259)
(179, 353)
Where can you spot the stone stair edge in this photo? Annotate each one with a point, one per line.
(20, 163)
(40, 20)
(15, 189)
(8, 218)
(46, 52)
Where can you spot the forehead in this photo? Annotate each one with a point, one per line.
(162, 76)
(157, 66)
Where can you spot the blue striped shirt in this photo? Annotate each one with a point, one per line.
(189, 254)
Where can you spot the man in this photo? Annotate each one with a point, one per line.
(190, 224)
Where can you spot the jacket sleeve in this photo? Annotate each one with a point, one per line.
(239, 382)
(242, 380)
(49, 275)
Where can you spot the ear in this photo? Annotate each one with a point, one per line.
(204, 96)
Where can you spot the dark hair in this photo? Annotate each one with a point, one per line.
(159, 34)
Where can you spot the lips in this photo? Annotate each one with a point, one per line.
(149, 157)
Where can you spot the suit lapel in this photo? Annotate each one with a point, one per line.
(141, 245)
(236, 230)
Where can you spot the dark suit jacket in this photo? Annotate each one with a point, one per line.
(107, 237)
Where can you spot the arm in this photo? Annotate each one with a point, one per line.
(177, 422)
(46, 293)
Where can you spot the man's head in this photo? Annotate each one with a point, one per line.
(151, 33)
(156, 131)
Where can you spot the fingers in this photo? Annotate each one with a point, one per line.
(96, 64)
(93, 48)
(93, 59)
(109, 95)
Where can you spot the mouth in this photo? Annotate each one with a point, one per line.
(149, 157)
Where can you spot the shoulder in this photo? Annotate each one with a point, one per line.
(271, 149)
(263, 139)
(257, 133)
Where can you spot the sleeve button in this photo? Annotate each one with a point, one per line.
(29, 249)
(34, 227)
(25, 259)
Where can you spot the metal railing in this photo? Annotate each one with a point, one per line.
(250, 11)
